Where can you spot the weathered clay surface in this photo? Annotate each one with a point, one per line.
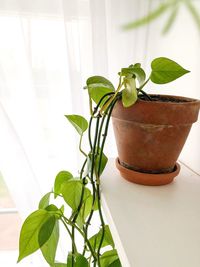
(151, 134)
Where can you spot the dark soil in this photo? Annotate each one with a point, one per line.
(161, 98)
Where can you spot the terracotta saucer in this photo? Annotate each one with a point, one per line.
(146, 178)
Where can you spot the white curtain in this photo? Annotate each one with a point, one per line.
(47, 50)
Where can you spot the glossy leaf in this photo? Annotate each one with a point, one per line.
(61, 177)
(50, 247)
(79, 260)
(53, 210)
(116, 263)
(28, 242)
(108, 258)
(104, 161)
(85, 211)
(165, 70)
(44, 202)
(129, 94)
(79, 123)
(98, 86)
(72, 191)
(46, 230)
(138, 72)
(59, 264)
(107, 241)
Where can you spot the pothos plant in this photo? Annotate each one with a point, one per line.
(81, 195)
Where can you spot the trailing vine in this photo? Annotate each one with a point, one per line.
(83, 194)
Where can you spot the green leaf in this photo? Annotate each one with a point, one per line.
(137, 72)
(72, 191)
(116, 263)
(108, 240)
(28, 242)
(44, 202)
(108, 258)
(147, 19)
(69, 260)
(104, 161)
(165, 70)
(136, 65)
(50, 247)
(98, 86)
(61, 177)
(79, 123)
(46, 230)
(129, 94)
(53, 210)
(85, 211)
(59, 264)
(80, 260)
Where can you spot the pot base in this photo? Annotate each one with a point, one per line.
(147, 178)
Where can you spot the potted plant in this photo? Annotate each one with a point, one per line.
(130, 107)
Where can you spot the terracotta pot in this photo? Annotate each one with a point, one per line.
(151, 134)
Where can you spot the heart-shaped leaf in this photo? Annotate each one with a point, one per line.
(108, 240)
(129, 94)
(72, 191)
(61, 177)
(165, 70)
(100, 167)
(138, 72)
(108, 258)
(28, 242)
(44, 202)
(99, 86)
(79, 123)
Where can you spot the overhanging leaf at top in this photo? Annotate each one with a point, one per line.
(79, 123)
(165, 70)
(98, 86)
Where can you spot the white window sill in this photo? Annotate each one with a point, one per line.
(154, 226)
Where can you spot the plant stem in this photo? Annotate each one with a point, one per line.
(79, 207)
(112, 98)
(73, 241)
(110, 108)
(80, 149)
(140, 88)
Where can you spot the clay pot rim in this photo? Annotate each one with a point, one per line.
(147, 178)
(188, 100)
